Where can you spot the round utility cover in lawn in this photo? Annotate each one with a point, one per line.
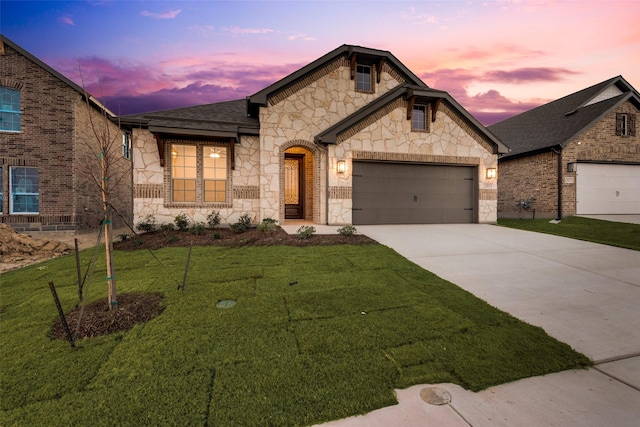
(225, 303)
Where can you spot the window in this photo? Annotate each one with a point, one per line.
(198, 173)
(419, 117)
(23, 182)
(625, 124)
(363, 78)
(126, 145)
(9, 110)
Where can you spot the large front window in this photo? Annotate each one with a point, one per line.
(9, 109)
(198, 173)
(25, 194)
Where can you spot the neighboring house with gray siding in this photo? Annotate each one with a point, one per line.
(579, 154)
(352, 138)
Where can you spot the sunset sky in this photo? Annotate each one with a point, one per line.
(496, 58)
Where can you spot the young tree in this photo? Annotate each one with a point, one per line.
(105, 168)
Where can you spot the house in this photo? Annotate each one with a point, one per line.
(354, 137)
(579, 154)
(49, 155)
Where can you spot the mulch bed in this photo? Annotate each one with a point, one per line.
(136, 308)
(226, 238)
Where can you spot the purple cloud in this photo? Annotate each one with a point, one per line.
(523, 75)
(67, 20)
(170, 14)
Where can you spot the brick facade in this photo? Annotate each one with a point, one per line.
(56, 137)
(536, 175)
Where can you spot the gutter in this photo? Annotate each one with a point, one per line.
(558, 151)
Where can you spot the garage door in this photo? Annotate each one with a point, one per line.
(607, 189)
(395, 193)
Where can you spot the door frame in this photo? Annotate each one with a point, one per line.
(301, 187)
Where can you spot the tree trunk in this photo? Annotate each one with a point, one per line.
(108, 240)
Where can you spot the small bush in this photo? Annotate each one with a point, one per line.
(167, 227)
(213, 219)
(172, 238)
(123, 237)
(243, 224)
(268, 225)
(147, 224)
(217, 235)
(347, 230)
(305, 231)
(197, 229)
(182, 222)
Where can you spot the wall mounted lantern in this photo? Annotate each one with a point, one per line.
(342, 166)
(491, 173)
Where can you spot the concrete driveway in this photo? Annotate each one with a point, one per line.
(584, 294)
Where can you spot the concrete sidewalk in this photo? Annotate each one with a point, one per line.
(584, 294)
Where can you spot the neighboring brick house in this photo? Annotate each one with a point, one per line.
(578, 155)
(49, 155)
(352, 138)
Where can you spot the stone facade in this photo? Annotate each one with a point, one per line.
(288, 123)
(536, 176)
(56, 138)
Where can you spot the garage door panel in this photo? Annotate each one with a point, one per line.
(607, 189)
(388, 193)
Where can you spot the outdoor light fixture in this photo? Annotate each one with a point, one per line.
(491, 173)
(174, 154)
(214, 154)
(571, 167)
(342, 166)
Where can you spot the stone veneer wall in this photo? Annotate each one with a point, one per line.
(151, 185)
(389, 138)
(537, 176)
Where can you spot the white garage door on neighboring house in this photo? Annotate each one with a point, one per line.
(410, 193)
(607, 189)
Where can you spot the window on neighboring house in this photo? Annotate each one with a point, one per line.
(363, 78)
(198, 173)
(126, 145)
(625, 124)
(24, 188)
(419, 117)
(9, 110)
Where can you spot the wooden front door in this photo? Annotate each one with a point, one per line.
(294, 186)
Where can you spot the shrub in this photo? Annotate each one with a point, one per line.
(182, 222)
(347, 230)
(217, 235)
(197, 229)
(305, 231)
(167, 227)
(268, 225)
(147, 224)
(243, 224)
(213, 219)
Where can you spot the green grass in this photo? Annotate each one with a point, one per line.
(359, 322)
(592, 230)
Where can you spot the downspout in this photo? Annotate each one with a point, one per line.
(326, 190)
(558, 151)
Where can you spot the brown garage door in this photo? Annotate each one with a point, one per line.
(402, 193)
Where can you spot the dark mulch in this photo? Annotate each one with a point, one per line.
(226, 238)
(98, 320)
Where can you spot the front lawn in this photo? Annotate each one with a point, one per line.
(592, 230)
(318, 333)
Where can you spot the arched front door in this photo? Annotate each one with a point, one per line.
(294, 186)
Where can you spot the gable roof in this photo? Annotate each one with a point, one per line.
(361, 54)
(93, 101)
(558, 122)
(222, 119)
(424, 95)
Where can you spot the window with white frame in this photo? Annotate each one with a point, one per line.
(363, 78)
(24, 189)
(9, 109)
(198, 173)
(419, 118)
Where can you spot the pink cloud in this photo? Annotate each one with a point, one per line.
(243, 31)
(67, 20)
(170, 14)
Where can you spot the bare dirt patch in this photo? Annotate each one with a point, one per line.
(18, 250)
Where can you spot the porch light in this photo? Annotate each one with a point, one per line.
(174, 153)
(214, 154)
(491, 173)
(342, 166)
